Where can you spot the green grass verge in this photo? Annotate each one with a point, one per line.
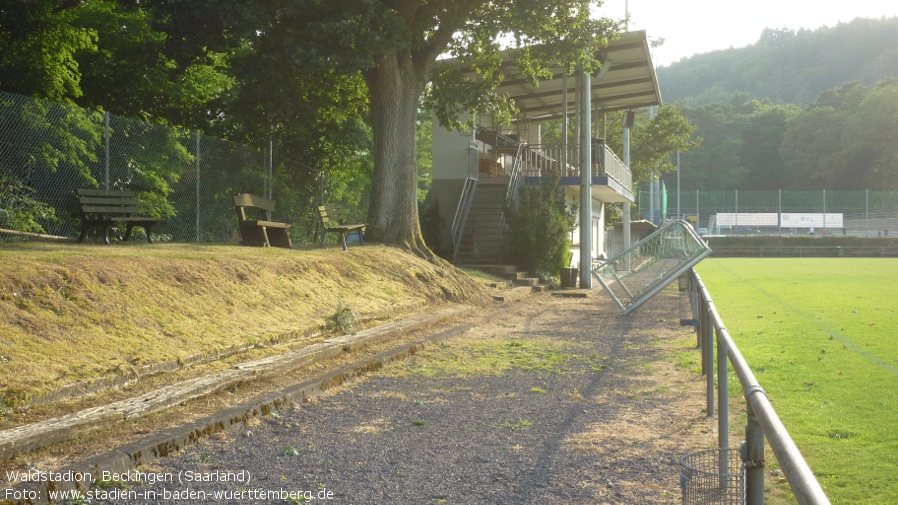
(820, 336)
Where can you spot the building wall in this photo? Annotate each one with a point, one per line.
(455, 157)
(597, 225)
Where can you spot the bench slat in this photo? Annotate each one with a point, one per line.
(108, 209)
(91, 200)
(103, 192)
(269, 224)
(136, 219)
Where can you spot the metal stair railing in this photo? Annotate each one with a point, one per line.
(511, 194)
(460, 221)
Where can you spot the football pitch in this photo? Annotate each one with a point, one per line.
(821, 336)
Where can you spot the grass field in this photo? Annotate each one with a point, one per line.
(822, 338)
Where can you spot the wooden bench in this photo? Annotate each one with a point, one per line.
(332, 221)
(100, 209)
(255, 229)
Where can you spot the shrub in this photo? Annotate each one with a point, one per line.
(539, 227)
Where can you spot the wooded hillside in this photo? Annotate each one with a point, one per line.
(804, 110)
(787, 66)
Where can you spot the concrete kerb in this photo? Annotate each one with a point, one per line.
(35, 435)
(158, 446)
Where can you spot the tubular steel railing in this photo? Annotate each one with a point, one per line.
(460, 221)
(552, 159)
(762, 419)
(890, 250)
(515, 176)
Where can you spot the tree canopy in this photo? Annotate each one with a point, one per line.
(336, 85)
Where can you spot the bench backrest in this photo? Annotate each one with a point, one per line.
(99, 201)
(332, 216)
(243, 201)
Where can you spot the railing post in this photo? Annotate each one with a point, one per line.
(723, 407)
(708, 355)
(753, 456)
(700, 330)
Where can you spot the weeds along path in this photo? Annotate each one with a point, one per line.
(550, 400)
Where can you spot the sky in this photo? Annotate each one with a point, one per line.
(698, 26)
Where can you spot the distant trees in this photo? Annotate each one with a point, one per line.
(846, 139)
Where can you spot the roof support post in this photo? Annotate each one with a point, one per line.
(564, 134)
(585, 105)
(625, 214)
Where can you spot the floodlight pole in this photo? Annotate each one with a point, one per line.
(679, 216)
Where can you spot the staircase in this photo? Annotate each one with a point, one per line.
(480, 246)
(480, 239)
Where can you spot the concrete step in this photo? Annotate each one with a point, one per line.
(495, 269)
(527, 281)
(540, 288)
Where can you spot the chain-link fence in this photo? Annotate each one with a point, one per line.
(48, 150)
(863, 213)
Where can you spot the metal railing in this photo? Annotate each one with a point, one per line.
(615, 169)
(763, 421)
(460, 221)
(885, 251)
(642, 270)
(553, 159)
(515, 175)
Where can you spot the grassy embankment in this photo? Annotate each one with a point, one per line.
(820, 335)
(79, 314)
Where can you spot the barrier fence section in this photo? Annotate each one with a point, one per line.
(48, 150)
(865, 213)
(763, 421)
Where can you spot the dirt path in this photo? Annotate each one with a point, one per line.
(552, 401)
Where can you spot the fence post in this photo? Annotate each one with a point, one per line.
(708, 355)
(700, 331)
(737, 211)
(779, 210)
(753, 456)
(198, 187)
(106, 140)
(723, 406)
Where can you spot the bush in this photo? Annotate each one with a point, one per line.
(539, 227)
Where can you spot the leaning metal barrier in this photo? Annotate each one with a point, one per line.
(644, 269)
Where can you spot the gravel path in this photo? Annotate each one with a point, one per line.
(552, 401)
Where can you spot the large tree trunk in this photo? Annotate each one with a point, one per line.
(394, 86)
